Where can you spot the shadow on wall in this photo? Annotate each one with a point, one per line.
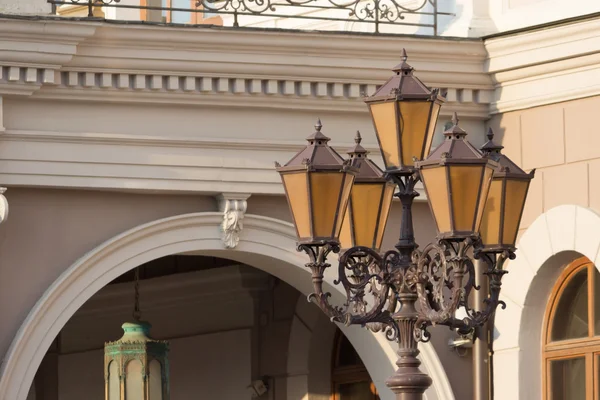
(530, 338)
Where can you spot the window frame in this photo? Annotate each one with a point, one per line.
(347, 374)
(587, 347)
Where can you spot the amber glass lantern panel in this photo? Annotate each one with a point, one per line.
(366, 200)
(413, 119)
(329, 193)
(386, 128)
(435, 111)
(386, 205)
(435, 180)
(469, 185)
(367, 215)
(516, 192)
(464, 184)
(492, 214)
(296, 189)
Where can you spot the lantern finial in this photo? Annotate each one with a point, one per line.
(318, 138)
(357, 151)
(491, 149)
(403, 67)
(455, 131)
(318, 125)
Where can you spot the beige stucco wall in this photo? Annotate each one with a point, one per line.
(559, 141)
(48, 230)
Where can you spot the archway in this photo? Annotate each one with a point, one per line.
(555, 239)
(266, 243)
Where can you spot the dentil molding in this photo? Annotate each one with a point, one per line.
(103, 61)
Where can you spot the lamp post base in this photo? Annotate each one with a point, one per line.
(409, 383)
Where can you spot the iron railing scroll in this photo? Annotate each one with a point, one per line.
(399, 16)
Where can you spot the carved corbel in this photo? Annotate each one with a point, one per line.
(233, 206)
(3, 205)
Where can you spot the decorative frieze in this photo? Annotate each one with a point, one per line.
(26, 80)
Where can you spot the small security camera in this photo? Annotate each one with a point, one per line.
(463, 341)
(257, 388)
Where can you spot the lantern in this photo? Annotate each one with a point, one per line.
(404, 113)
(506, 200)
(136, 366)
(317, 184)
(369, 204)
(457, 180)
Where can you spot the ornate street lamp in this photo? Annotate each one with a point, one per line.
(404, 113)
(317, 183)
(369, 204)
(505, 202)
(404, 291)
(457, 179)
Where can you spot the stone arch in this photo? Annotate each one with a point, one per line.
(554, 240)
(265, 243)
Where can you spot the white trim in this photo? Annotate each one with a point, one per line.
(265, 243)
(563, 229)
(127, 162)
(546, 66)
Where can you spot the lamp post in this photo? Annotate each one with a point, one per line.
(404, 291)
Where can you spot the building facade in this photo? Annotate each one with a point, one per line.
(151, 145)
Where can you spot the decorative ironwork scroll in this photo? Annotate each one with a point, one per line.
(408, 13)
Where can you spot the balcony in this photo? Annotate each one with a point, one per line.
(412, 17)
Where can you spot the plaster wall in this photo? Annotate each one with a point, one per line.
(558, 141)
(50, 229)
(560, 224)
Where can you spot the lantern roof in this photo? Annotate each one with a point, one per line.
(316, 155)
(368, 170)
(456, 149)
(136, 338)
(404, 86)
(506, 167)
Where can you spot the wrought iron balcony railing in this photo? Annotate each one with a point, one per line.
(379, 16)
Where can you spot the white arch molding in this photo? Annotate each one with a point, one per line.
(555, 238)
(265, 243)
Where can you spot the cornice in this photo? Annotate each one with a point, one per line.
(101, 61)
(536, 68)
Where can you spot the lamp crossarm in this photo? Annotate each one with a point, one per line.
(363, 275)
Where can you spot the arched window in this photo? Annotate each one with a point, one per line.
(571, 353)
(351, 381)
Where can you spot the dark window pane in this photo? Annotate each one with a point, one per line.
(357, 391)
(571, 318)
(567, 379)
(347, 355)
(596, 301)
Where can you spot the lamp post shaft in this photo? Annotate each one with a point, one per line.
(409, 382)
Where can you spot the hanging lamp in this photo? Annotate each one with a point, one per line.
(136, 367)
